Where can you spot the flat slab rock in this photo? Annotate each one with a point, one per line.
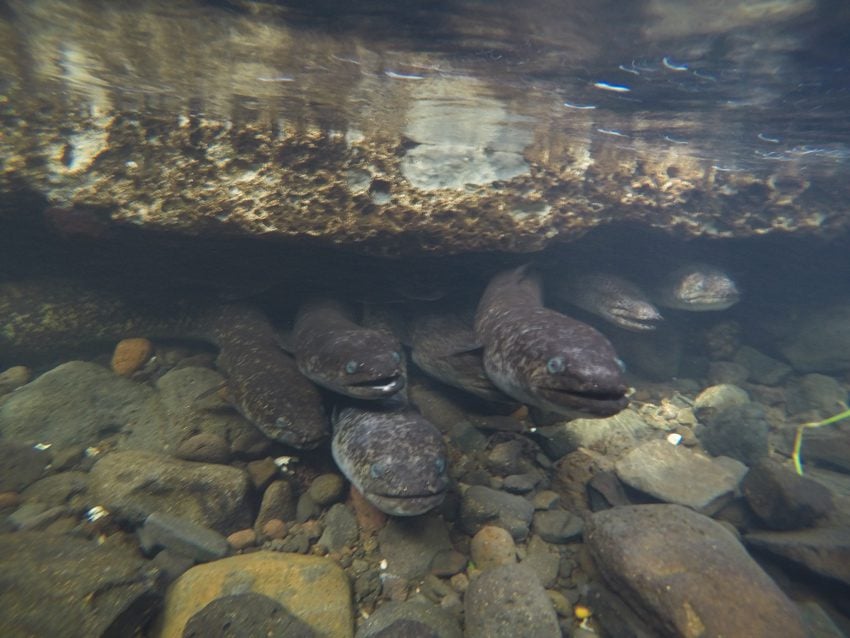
(687, 574)
(675, 474)
(56, 585)
(314, 590)
(134, 484)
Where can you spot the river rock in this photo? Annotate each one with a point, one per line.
(20, 465)
(49, 581)
(782, 499)
(688, 574)
(822, 550)
(181, 536)
(613, 435)
(816, 392)
(675, 474)
(340, 528)
(492, 546)
(314, 590)
(410, 544)
(557, 526)
(423, 619)
(720, 396)
(78, 403)
(761, 368)
(509, 601)
(819, 340)
(485, 506)
(738, 431)
(246, 616)
(134, 484)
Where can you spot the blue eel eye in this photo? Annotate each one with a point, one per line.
(377, 470)
(351, 366)
(440, 465)
(555, 365)
(397, 356)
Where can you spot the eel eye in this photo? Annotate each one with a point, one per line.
(377, 470)
(352, 366)
(621, 364)
(396, 356)
(555, 365)
(440, 464)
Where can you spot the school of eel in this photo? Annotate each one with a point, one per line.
(515, 350)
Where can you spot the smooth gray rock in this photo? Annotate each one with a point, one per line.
(410, 544)
(509, 601)
(760, 367)
(340, 528)
(822, 550)
(50, 581)
(687, 574)
(815, 392)
(485, 506)
(782, 499)
(675, 474)
(543, 559)
(181, 536)
(819, 340)
(79, 403)
(58, 489)
(134, 484)
(557, 526)
(20, 465)
(389, 620)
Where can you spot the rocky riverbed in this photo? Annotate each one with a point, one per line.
(135, 499)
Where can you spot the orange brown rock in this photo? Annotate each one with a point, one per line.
(130, 355)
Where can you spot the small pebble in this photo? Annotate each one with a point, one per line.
(561, 603)
(326, 489)
(242, 539)
(130, 355)
(545, 500)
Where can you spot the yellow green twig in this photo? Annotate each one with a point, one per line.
(798, 439)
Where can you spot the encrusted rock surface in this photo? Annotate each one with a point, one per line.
(376, 141)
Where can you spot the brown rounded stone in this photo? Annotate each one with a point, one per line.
(130, 355)
(274, 529)
(242, 539)
(492, 546)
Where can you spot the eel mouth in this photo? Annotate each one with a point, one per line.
(595, 403)
(408, 505)
(375, 388)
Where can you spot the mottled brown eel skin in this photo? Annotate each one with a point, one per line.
(41, 317)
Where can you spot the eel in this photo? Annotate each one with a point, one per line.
(544, 358)
(396, 458)
(444, 346)
(697, 287)
(338, 354)
(615, 299)
(44, 316)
